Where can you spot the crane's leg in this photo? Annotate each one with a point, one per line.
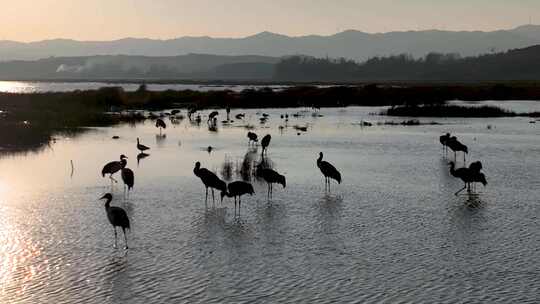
(239, 205)
(234, 205)
(213, 200)
(206, 198)
(268, 192)
(125, 238)
(115, 242)
(465, 186)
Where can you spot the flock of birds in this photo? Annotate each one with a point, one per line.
(119, 218)
(469, 175)
(236, 189)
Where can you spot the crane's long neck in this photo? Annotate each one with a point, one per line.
(452, 168)
(319, 159)
(108, 204)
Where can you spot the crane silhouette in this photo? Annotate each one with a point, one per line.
(252, 138)
(457, 146)
(468, 175)
(141, 147)
(160, 124)
(329, 172)
(129, 179)
(443, 139)
(237, 189)
(210, 180)
(271, 177)
(113, 167)
(117, 217)
(265, 142)
(212, 116)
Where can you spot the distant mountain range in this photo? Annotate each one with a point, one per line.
(191, 66)
(515, 64)
(349, 44)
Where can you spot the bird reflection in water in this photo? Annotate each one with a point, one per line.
(140, 156)
(160, 139)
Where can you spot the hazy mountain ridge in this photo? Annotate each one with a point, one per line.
(351, 44)
(124, 66)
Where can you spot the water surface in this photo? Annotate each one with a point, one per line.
(391, 232)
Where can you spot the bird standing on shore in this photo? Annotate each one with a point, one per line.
(328, 171)
(237, 189)
(210, 180)
(117, 217)
(113, 167)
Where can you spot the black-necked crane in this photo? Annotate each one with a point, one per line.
(265, 142)
(160, 124)
(210, 180)
(113, 167)
(271, 177)
(212, 116)
(252, 137)
(141, 147)
(329, 171)
(117, 217)
(128, 177)
(237, 189)
(457, 146)
(468, 175)
(444, 139)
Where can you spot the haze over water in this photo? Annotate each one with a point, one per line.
(393, 231)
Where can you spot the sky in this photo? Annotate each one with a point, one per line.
(33, 20)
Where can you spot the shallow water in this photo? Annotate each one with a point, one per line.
(45, 86)
(391, 232)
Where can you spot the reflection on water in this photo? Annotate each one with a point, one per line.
(392, 231)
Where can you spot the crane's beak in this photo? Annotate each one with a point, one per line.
(103, 197)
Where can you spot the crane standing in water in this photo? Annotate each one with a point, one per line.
(141, 147)
(113, 167)
(457, 146)
(117, 217)
(210, 180)
(329, 172)
(129, 179)
(271, 177)
(444, 140)
(252, 138)
(237, 189)
(160, 124)
(265, 142)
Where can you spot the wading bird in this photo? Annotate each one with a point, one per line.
(129, 179)
(252, 138)
(271, 177)
(443, 139)
(237, 188)
(117, 217)
(456, 146)
(141, 147)
(113, 167)
(328, 171)
(160, 124)
(210, 180)
(212, 116)
(469, 175)
(265, 142)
